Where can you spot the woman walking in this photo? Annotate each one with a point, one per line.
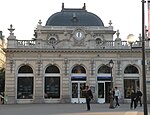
(88, 96)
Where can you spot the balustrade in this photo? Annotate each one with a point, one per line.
(105, 45)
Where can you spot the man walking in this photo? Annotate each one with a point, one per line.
(133, 99)
(138, 97)
(117, 95)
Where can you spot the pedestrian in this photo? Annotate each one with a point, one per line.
(1, 98)
(5, 98)
(133, 99)
(117, 96)
(111, 93)
(138, 97)
(88, 95)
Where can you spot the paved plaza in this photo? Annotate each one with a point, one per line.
(68, 109)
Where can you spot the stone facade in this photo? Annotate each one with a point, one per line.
(66, 47)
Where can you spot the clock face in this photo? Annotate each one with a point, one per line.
(79, 35)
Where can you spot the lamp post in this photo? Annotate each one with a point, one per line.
(143, 61)
(131, 39)
(111, 64)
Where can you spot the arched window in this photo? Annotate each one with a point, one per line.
(99, 41)
(25, 69)
(52, 69)
(52, 82)
(104, 69)
(52, 40)
(25, 82)
(131, 80)
(131, 70)
(78, 69)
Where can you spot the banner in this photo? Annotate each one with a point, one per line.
(148, 18)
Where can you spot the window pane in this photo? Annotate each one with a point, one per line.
(131, 69)
(74, 90)
(100, 90)
(52, 87)
(25, 88)
(52, 69)
(25, 69)
(78, 69)
(104, 69)
(129, 84)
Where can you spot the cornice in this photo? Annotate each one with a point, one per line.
(73, 50)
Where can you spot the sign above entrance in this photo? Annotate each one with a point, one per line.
(104, 78)
(78, 78)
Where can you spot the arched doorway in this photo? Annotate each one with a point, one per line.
(131, 80)
(78, 82)
(104, 82)
(25, 84)
(52, 83)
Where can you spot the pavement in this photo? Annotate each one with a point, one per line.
(69, 109)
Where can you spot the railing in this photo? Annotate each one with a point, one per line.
(68, 44)
(26, 43)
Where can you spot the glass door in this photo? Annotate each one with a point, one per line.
(77, 92)
(101, 92)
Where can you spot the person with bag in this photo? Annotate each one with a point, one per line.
(88, 96)
(133, 99)
(111, 95)
(138, 97)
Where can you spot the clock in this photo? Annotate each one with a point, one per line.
(79, 35)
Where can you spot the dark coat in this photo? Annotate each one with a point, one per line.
(88, 94)
(133, 96)
(139, 93)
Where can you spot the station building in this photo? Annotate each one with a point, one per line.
(71, 50)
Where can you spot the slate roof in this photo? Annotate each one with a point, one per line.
(74, 17)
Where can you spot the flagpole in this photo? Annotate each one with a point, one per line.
(143, 61)
(148, 19)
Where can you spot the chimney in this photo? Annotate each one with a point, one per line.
(62, 6)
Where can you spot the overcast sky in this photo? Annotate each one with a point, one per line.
(25, 14)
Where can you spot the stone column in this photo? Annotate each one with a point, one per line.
(10, 81)
(65, 98)
(38, 83)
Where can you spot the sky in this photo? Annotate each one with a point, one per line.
(25, 14)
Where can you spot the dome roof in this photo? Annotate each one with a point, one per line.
(74, 17)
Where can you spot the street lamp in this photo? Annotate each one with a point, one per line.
(143, 61)
(111, 64)
(131, 39)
